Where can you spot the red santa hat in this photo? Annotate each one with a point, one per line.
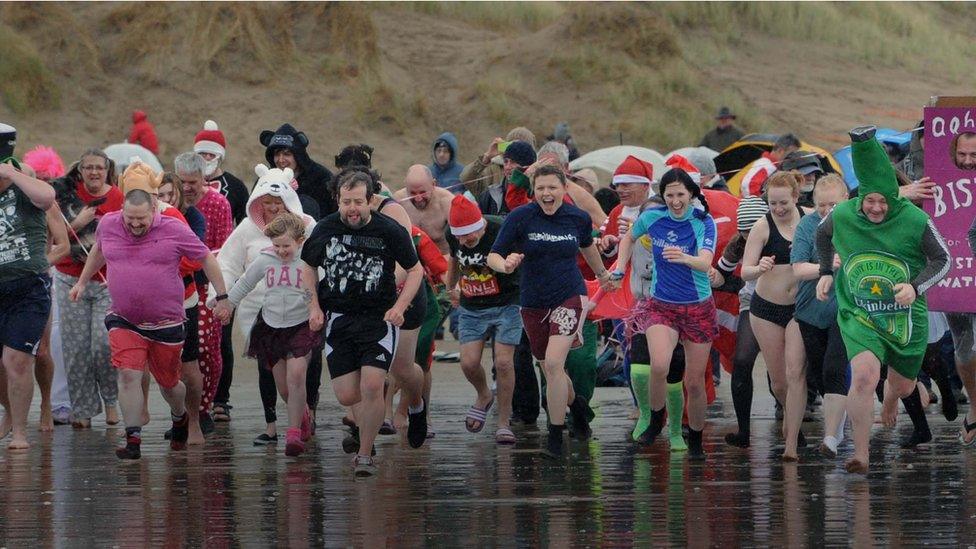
(210, 140)
(634, 170)
(678, 161)
(465, 217)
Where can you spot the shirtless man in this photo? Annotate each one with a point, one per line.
(428, 204)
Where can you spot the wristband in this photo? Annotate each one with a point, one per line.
(220, 297)
(617, 275)
(829, 272)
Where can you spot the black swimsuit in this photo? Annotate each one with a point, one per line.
(778, 247)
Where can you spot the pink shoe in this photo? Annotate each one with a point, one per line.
(293, 443)
(307, 428)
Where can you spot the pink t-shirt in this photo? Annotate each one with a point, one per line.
(144, 279)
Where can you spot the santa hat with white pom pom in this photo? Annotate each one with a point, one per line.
(210, 140)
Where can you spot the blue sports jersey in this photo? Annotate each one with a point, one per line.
(692, 233)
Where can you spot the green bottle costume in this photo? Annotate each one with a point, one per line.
(875, 257)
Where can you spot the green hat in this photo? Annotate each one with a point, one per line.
(873, 167)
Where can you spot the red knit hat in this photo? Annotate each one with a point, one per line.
(210, 140)
(465, 217)
(633, 170)
(678, 161)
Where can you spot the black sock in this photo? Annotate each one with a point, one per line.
(694, 441)
(556, 430)
(657, 421)
(133, 432)
(913, 405)
(177, 418)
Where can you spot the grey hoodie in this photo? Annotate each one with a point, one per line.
(286, 299)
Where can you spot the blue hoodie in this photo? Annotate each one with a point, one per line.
(449, 175)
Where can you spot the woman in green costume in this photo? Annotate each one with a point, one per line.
(890, 253)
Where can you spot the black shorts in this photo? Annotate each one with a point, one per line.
(352, 342)
(191, 345)
(415, 314)
(25, 305)
(781, 315)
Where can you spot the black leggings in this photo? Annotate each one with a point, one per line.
(932, 364)
(639, 354)
(746, 352)
(826, 358)
(222, 396)
(269, 393)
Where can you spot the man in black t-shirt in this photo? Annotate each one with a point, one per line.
(488, 302)
(359, 250)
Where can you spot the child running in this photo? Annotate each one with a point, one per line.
(288, 326)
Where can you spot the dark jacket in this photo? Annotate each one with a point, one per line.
(718, 140)
(314, 180)
(488, 205)
(448, 175)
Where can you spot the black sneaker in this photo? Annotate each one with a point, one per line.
(554, 443)
(207, 423)
(181, 432)
(264, 439)
(350, 444)
(417, 428)
(168, 434)
(131, 450)
(916, 438)
(739, 440)
(581, 426)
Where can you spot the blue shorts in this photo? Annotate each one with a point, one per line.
(25, 305)
(476, 324)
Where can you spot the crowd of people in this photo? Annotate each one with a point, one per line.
(108, 279)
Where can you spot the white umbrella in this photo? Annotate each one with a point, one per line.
(608, 159)
(122, 153)
(685, 151)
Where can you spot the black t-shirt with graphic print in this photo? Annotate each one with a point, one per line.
(359, 263)
(481, 287)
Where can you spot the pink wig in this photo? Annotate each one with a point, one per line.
(45, 161)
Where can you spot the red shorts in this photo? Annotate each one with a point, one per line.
(565, 319)
(132, 351)
(694, 322)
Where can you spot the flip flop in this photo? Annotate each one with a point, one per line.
(969, 428)
(504, 436)
(478, 415)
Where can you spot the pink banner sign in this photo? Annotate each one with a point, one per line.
(950, 160)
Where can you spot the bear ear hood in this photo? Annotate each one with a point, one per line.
(873, 168)
(273, 182)
(285, 137)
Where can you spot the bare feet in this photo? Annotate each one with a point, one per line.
(855, 465)
(889, 413)
(47, 420)
(18, 442)
(81, 424)
(195, 436)
(111, 415)
(790, 457)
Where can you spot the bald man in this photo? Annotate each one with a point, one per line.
(428, 204)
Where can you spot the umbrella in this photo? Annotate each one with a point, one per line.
(887, 136)
(607, 160)
(122, 153)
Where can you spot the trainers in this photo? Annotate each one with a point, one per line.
(181, 432)
(306, 428)
(293, 443)
(417, 427)
(363, 466)
(264, 439)
(131, 450)
(206, 423)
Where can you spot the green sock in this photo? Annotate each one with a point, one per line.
(640, 378)
(676, 409)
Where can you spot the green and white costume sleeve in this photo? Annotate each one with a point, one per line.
(904, 248)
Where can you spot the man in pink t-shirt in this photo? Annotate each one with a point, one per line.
(142, 251)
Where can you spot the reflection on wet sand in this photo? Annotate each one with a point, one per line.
(463, 489)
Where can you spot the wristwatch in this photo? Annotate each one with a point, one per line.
(220, 297)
